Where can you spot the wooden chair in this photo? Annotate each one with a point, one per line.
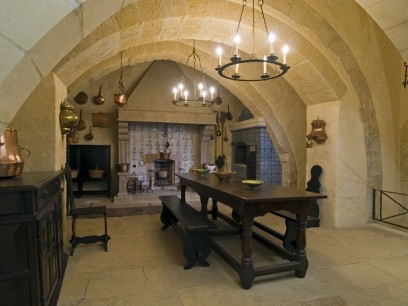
(80, 212)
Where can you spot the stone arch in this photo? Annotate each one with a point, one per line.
(34, 65)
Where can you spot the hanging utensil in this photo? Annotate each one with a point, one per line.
(81, 123)
(222, 120)
(225, 134)
(228, 115)
(99, 99)
(90, 135)
(218, 99)
(218, 132)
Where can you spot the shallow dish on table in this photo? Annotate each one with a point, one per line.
(223, 176)
(253, 183)
(202, 171)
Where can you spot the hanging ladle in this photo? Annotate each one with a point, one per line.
(218, 132)
(228, 115)
(90, 135)
(225, 133)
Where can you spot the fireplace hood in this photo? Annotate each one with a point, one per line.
(150, 101)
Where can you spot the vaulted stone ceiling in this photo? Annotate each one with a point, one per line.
(392, 17)
(149, 30)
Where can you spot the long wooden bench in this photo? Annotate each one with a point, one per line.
(289, 237)
(192, 225)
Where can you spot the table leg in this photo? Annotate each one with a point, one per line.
(204, 203)
(183, 192)
(247, 268)
(214, 210)
(79, 189)
(300, 252)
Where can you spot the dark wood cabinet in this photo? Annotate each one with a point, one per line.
(85, 157)
(32, 261)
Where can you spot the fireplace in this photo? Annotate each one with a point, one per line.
(164, 174)
(254, 156)
(245, 158)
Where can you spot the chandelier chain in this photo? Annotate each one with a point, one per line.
(263, 16)
(201, 96)
(121, 87)
(276, 68)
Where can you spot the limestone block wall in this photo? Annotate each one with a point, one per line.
(37, 125)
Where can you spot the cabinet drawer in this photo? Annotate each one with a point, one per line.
(45, 192)
(12, 203)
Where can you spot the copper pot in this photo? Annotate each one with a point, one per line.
(164, 155)
(11, 161)
(120, 99)
(123, 167)
(72, 137)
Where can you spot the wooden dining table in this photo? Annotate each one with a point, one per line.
(248, 204)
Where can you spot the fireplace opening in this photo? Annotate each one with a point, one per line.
(245, 159)
(164, 172)
(240, 153)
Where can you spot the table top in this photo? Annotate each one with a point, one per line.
(235, 188)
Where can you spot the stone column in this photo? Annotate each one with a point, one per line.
(123, 157)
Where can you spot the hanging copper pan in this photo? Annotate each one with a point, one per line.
(99, 99)
(81, 123)
(90, 135)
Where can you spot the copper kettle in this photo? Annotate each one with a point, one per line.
(11, 161)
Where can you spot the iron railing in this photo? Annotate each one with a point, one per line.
(388, 208)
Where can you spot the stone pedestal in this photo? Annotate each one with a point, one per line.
(123, 179)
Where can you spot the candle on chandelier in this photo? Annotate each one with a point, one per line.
(271, 38)
(285, 50)
(264, 65)
(181, 89)
(237, 39)
(219, 53)
(236, 68)
(212, 90)
(175, 93)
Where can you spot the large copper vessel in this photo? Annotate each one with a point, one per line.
(11, 161)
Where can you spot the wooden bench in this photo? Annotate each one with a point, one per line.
(289, 237)
(192, 225)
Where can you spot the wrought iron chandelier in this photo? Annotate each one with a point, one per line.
(269, 67)
(200, 96)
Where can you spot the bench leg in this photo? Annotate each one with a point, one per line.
(196, 249)
(166, 217)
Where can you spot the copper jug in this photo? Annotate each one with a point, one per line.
(11, 161)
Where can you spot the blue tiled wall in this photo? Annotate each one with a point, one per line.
(268, 165)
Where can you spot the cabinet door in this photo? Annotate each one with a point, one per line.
(18, 275)
(48, 248)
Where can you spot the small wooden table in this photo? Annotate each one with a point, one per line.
(248, 204)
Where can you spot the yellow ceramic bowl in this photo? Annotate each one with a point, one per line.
(253, 183)
(202, 171)
(223, 176)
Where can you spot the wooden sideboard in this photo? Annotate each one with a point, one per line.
(32, 261)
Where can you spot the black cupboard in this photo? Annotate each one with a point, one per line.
(90, 157)
(32, 261)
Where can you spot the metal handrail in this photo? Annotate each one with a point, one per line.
(403, 210)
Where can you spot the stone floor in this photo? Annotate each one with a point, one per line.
(144, 266)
